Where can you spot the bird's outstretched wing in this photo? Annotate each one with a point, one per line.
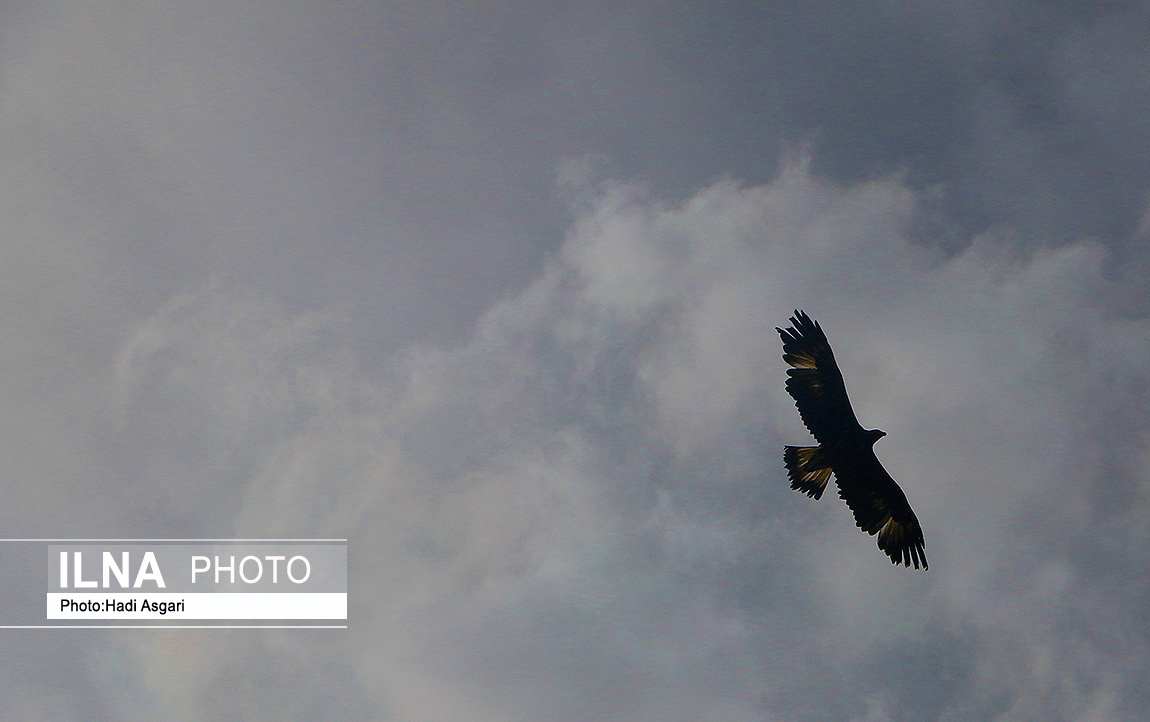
(815, 382)
(880, 507)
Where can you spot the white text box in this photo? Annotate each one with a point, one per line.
(213, 605)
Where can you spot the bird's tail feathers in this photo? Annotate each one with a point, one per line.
(808, 468)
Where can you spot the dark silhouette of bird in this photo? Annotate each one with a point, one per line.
(845, 448)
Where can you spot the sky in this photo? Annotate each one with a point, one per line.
(490, 290)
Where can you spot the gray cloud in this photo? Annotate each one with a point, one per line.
(313, 271)
(584, 503)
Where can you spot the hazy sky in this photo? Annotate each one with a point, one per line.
(490, 289)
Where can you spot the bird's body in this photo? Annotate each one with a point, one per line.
(845, 448)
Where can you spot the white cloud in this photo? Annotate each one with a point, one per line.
(582, 501)
(585, 503)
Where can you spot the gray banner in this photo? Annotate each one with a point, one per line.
(248, 567)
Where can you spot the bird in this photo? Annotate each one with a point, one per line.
(845, 448)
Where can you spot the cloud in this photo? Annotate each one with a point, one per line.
(556, 448)
(580, 513)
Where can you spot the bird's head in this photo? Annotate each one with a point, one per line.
(874, 435)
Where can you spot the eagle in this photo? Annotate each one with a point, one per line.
(845, 448)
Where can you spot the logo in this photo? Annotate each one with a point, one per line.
(159, 582)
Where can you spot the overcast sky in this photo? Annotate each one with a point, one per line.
(490, 289)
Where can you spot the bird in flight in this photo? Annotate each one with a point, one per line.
(845, 448)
